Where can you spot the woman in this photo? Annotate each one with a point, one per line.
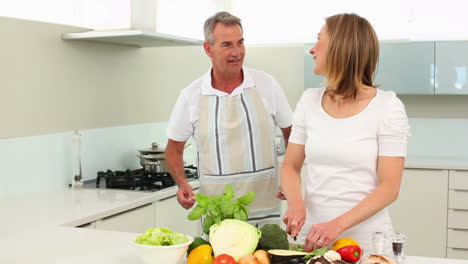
(353, 138)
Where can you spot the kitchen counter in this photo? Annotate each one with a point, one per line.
(40, 228)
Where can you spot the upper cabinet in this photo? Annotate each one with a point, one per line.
(406, 67)
(427, 67)
(451, 67)
(311, 80)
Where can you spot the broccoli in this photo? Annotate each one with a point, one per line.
(273, 237)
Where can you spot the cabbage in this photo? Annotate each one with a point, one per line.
(161, 237)
(234, 237)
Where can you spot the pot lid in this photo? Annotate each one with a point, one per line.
(155, 148)
(152, 156)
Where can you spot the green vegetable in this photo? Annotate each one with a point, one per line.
(216, 208)
(299, 248)
(317, 252)
(161, 237)
(234, 237)
(197, 241)
(273, 237)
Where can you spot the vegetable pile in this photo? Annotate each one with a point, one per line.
(161, 237)
(216, 208)
(348, 248)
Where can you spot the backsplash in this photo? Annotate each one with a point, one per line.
(438, 137)
(31, 164)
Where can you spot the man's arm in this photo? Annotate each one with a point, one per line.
(175, 163)
(286, 133)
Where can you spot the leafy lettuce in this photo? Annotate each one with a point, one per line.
(161, 237)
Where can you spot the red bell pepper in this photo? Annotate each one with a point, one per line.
(350, 253)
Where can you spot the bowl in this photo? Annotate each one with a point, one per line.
(162, 254)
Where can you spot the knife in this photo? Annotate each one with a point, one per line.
(294, 245)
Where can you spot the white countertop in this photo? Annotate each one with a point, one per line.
(40, 228)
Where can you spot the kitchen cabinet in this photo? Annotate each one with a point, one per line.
(451, 59)
(169, 213)
(457, 234)
(406, 67)
(135, 220)
(421, 212)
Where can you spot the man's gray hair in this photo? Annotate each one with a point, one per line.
(220, 17)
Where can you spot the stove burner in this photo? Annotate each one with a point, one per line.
(140, 180)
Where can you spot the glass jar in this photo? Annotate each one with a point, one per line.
(77, 180)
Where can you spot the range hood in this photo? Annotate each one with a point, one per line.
(141, 34)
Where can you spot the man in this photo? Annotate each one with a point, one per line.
(232, 113)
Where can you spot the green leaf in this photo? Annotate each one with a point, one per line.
(202, 199)
(216, 199)
(226, 207)
(237, 215)
(229, 191)
(245, 208)
(215, 211)
(247, 199)
(218, 219)
(196, 213)
(243, 215)
(207, 223)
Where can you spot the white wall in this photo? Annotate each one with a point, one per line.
(265, 21)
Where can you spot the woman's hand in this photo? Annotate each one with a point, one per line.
(294, 219)
(321, 235)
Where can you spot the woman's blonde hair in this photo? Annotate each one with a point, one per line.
(352, 55)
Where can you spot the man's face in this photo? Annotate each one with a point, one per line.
(227, 50)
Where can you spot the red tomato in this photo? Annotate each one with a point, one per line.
(224, 259)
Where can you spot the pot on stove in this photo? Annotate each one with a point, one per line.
(153, 159)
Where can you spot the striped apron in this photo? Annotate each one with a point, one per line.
(236, 147)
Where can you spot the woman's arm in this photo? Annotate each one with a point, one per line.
(389, 172)
(291, 187)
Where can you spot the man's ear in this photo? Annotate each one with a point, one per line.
(207, 47)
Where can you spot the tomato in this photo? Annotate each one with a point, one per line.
(248, 259)
(224, 259)
(201, 255)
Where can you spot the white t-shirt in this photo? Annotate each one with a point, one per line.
(184, 118)
(341, 156)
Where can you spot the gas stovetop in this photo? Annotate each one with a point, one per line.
(138, 180)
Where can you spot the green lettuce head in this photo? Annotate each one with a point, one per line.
(161, 237)
(234, 237)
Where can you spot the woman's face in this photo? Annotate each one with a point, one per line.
(319, 51)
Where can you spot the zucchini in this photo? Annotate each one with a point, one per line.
(283, 256)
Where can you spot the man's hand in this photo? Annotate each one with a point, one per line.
(185, 196)
(280, 194)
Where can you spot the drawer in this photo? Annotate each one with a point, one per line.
(458, 199)
(458, 180)
(457, 238)
(457, 253)
(458, 219)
